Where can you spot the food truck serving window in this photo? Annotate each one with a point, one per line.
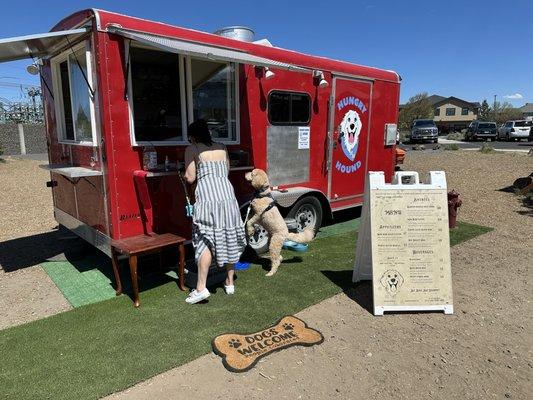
(157, 108)
(213, 97)
(289, 108)
(169, 91)
(74, 102)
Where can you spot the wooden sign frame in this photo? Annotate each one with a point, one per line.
(403, 245)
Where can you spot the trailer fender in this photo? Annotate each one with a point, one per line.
(290, 196)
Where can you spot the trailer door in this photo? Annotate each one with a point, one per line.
(349, 127)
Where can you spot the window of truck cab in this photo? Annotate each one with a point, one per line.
(168, 91)
(74, 102)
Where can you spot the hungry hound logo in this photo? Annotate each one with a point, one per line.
(350, 129)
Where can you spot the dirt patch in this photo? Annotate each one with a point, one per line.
(482, 351)
(27, 236)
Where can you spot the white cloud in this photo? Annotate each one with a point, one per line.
(515, 96)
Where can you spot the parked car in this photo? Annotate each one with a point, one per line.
(530, 138)
(514, 130)
(424, 129)
(481, 130)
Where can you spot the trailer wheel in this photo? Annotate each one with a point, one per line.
(260, 240)
(307, 212)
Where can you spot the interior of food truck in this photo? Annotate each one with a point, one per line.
(168, 89)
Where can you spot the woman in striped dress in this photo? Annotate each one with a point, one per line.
(218, 230)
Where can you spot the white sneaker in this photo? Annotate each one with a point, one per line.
(230, 289)
(195, 296)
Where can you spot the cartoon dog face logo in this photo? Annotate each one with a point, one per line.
(392, 281)
(350, 128)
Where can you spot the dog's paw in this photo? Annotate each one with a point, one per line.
(271, 272)
(250, 231)
(235, 343)
(288, 326)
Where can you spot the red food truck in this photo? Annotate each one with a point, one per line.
(119, 92)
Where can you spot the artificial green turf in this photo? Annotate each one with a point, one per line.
(80, 287)
(339, 228)
(83, 282)
(101, 348)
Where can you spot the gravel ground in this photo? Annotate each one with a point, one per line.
(27, 237)
(483, 351)
(25, 200)
(479, 178)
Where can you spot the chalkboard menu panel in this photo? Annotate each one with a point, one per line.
(410, 242)
(404, 242)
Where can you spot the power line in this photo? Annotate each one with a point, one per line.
(17, 85)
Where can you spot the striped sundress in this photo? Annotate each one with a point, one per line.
(217, 222)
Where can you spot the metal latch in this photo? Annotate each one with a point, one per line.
(51, 183)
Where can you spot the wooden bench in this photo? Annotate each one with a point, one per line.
(136, 246)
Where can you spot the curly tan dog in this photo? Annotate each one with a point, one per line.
(267, 214)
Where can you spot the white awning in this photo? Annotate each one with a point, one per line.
(202, 50)
(37, 45)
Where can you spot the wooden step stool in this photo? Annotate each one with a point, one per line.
(136, 246)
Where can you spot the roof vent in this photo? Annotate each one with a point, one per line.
(264, 42)
(241, 33)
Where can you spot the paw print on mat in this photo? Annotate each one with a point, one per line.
(288, 327)
(235, 343)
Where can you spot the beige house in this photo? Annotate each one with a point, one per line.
(452, 113)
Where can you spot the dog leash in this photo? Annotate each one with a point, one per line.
(189, 208)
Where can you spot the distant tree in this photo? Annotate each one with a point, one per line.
(505, 111)
(418, 107)
(484, 111)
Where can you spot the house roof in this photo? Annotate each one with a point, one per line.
(456, 100)
(435, 100)
(527, 108)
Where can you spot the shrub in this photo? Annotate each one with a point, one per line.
(455, 136)
(404, 136)
(453, 146)
(487, 149)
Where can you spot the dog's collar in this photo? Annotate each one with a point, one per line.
(263, 192)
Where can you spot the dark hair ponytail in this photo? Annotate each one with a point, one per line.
(200, 132)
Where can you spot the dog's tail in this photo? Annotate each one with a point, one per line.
(302, 237)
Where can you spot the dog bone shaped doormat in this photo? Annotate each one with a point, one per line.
(241, 352)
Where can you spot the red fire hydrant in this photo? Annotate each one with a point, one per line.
(454, 202)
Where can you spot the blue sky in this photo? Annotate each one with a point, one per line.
(468, 49)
